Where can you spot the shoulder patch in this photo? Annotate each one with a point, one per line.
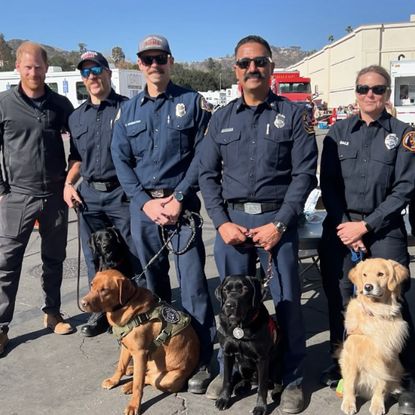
(205, 105)
(307, 122)
(408, 141)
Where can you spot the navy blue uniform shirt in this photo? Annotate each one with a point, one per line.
(366, 169)
(260, 154)
(91, 129)
(156, 140)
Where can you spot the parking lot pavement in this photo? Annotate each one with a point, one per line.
(45, 373)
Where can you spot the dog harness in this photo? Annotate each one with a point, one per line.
(172, 323)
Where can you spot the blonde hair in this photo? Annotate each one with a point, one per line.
(31, 47)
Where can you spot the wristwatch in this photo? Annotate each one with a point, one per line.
(280, 226)
(178, 195)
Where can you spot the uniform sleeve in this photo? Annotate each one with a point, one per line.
(331, 181)
(3, 185)
(304, 165)
(401, 192)
(210, 176)
(124, 162)
(73, 150)
(189, 184)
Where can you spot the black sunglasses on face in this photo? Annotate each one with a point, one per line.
(95, 70)
(159, 59)
(259, 61)
(376, 89)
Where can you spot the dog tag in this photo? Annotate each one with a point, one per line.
(238, 333)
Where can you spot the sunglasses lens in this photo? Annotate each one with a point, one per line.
(96, 70)
(362, 89)
(379, 89)
(243, 63)
(259, 61)
(159, 59)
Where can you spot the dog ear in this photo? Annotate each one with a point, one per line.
(93, 244)
(398, 274)
(219, 293)
(258, 291)
(126, 290)
(116, 233)
(355, 272)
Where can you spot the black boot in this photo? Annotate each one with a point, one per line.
(199, 382)
(331, 376)
(96, 324)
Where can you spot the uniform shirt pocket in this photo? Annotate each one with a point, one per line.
(181, 133)
(382, 165)
(79, 135)
(230, 146)
(140, 140)
(278, 146)
(348, 161)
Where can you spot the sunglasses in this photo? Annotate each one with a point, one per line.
(95, 70)
(376, 89)
(259, 61)
(159, 59)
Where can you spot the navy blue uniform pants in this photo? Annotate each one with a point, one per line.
(18, 213)
(285, 285)
(194, 292)
(335, 264)
(102, 209)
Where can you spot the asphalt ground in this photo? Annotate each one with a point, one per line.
(44, 373)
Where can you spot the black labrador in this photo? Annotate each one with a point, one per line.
(248, 336)
(110, 251)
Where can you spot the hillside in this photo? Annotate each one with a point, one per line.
(212, 73)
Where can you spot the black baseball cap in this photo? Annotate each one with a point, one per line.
(93, 56)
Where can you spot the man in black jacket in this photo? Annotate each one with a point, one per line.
(32, 175)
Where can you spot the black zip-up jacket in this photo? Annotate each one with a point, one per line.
(32, 152)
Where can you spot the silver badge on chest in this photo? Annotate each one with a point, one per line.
(391, 141)
(279, 121)
(180, 110)
(238, 333)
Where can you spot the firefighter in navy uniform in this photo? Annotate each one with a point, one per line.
(155, 148)
(100, 196)
(258, 167)
(367, 179)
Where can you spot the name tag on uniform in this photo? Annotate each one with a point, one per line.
(132, 123)
(226, 130)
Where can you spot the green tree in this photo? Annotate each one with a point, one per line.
(118, 55)
(349, 29)
(6, 55)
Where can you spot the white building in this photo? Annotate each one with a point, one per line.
(333, 69)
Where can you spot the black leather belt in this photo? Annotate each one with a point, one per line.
(357, 215)
(104, 186)
(159, 193)
(254, 208)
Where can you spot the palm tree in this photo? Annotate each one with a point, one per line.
(349, 29)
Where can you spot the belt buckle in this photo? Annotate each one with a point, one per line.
(157, 194)
(252, 208)
(100, 186)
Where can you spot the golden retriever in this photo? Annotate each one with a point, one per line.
(166, 367)
(376, 333)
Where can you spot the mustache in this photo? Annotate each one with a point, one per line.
(160, 71)
(253, 75)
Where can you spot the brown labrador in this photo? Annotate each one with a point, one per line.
(166, 367)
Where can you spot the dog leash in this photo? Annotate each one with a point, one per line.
(78, 274)
(268, 275)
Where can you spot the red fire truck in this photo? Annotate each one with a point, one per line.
(291, 85)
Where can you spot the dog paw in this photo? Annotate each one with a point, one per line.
(127, 388)
(377, 408)
(109, 383)
(222, 403)
(259, 410)
(129, 371)
(348, 407)
(132, 410)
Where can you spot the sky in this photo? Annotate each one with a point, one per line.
(196, 29)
